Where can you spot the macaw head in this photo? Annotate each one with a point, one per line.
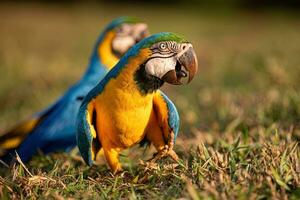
(121, 34)
(164, 57)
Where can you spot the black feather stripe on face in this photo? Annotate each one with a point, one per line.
(147, 83)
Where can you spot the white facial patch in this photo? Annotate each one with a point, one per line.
(158, 67)
(122, 43)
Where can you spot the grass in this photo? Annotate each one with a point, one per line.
(240, 118)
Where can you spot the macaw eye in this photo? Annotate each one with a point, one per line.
(162, 46)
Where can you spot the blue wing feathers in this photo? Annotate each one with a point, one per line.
(173, 119)
(173, 116)
(84, 135)
(57, 129)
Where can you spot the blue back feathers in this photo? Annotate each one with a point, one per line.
(57, 127)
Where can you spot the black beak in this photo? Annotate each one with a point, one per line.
(186, 65)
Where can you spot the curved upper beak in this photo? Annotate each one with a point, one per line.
(139, 31)
(186, 65)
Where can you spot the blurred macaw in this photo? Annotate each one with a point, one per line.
(54, 128)
(126, 107)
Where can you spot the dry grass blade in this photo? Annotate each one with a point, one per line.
(21, 163)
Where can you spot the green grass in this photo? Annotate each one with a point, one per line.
(240, 118)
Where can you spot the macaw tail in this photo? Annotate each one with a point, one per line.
(13, 138)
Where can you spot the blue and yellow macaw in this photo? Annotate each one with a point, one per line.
(54, 128)
(126, 107)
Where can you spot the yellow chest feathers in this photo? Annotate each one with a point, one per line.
(122, 115)
(123, 110)
(126, 114)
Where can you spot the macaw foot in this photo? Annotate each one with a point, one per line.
(164, 153)
(117, 169)
(173, 155)
(167, 150)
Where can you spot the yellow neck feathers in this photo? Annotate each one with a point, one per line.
(105, 52)
(126, 76)
(124, 87)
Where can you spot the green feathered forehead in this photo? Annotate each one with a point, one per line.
(161, 37)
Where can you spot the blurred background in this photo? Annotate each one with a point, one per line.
(248, 52)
